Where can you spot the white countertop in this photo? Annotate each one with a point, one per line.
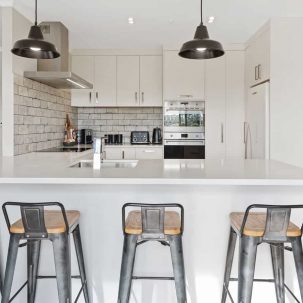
(54, 168)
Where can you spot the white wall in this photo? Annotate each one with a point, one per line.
(14, 27)
(287, 90)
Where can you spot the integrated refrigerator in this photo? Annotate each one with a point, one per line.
(256, 127)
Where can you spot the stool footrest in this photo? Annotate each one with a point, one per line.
(152, 278)
(47, 277)
(262, 280)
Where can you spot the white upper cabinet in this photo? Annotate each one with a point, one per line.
(183, 78)
(119, 80)
(258, 59)
(151, 81)
(105, 85)
(84, 67)
(128, 77)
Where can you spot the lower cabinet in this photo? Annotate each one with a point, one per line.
(133, 153)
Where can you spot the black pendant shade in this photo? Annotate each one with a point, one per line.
(35, 47)
(201, 47)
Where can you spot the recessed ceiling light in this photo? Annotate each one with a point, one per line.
(211, 19)
(131, 20)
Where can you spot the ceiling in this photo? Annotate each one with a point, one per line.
(97, 24)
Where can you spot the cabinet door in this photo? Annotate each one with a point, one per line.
(151, 81)
(84, 67)
(105, 80)
(129, 154)
(128, 81)
(113, 153)
(262, 49)
(235, 104)
(183, 78)
(258, 59)
(215, 90)
(149, 153)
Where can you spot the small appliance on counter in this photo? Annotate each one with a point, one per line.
(139, 137)
(114, 139)
(87, 136)
(157, 136)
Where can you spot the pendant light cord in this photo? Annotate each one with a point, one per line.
(201, 11)
(36, 12)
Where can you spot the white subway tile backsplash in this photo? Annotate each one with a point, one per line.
(40, 113)
(120, 120)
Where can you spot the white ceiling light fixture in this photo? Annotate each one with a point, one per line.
(211, 19)
(131, 20)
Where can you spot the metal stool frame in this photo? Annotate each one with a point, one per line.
(32, 215)
(152, 231)
(277, 221)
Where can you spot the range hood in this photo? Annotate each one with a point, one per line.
(56, 72)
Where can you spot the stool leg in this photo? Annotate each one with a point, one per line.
(127, 267)
(61, 246)
(247, 261)
(229, 262)
(178, 266)
(298, 256)
(80, 258)
(10, 267)
(277, 256)
(33, 254)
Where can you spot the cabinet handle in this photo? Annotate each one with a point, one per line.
(136, 96)
(222, 133)
(186, 96)
(149, 151)
(123, 155)
(142, 97)
(97, 97)
(244, 133)
(259, 72)
(256, 73)
(90, 97)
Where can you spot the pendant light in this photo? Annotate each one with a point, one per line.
(201, 47)
(35, 46)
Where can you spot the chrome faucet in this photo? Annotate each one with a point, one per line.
(98, 147)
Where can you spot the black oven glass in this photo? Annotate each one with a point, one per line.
(184, 152)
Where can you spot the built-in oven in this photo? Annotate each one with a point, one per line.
(186, 116)
(184, 130)
(184, 146)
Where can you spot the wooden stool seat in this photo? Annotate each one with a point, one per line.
(54, 222)
(172, 223)
(255, 225)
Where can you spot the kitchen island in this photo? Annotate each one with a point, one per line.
(208, 189)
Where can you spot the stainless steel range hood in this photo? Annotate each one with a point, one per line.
(56, 72)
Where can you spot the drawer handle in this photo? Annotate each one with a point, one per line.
(149, 151)
(186, 96)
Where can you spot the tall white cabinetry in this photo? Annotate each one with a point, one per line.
(183, 78)
(224, 103)
(123, 81)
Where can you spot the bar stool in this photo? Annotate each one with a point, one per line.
(253, 228)
(37, 224)
(152, 223)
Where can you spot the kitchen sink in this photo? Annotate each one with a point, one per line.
(107, 164)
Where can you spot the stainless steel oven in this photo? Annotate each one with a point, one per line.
(186, 116)
(184, 130)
